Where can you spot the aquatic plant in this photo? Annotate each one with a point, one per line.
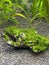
(9, 9)
(46, 4)
(17, 37)
(37, 9)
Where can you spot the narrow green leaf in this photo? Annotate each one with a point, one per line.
(21, 15)
(46, 3)
(22, 9)
(34, 17)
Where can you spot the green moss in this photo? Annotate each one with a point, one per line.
(6, 37)
(15, 44)
(27, 37)
(39, 48)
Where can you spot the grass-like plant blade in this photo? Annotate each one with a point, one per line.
(22, 9)
(34, 17)
(19, 14)
(46, 3)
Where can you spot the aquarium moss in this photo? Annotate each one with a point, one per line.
(19, 37)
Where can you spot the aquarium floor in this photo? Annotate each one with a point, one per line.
(11, 56)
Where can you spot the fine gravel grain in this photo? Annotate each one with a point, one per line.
(12, 56)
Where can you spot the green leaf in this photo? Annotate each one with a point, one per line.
(36, 16)
(46, 4)
(22, 9)
(21, 15)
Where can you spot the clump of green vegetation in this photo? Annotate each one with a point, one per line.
(9, 9)
(25, 37)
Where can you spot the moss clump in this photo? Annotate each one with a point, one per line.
(6, 37)
(28, 37)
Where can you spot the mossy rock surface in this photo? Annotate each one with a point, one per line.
(18, 37)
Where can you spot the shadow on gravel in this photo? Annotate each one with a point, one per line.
(9, 50)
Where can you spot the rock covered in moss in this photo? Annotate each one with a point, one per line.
(29, 37)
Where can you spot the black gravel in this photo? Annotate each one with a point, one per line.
(12, 56)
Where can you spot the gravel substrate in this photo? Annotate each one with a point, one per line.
(11, 56)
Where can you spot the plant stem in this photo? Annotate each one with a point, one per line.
(34, 17)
